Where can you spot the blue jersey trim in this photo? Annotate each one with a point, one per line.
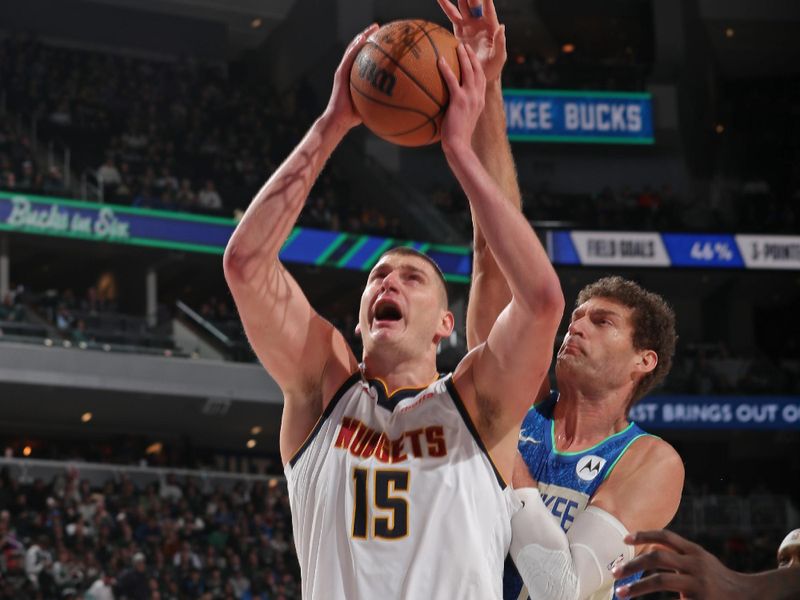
(623, 451)
(600, 443)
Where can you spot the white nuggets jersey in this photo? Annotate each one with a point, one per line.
(396, 497)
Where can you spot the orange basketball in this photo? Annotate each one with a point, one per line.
(396, 85)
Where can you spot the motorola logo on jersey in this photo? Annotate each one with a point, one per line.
(589, 467)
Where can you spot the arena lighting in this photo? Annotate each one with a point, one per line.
(255, 430)
(26, 451)
(729, 32)
(568, 48)
(256, 23)
(86, 417)
(251, 443)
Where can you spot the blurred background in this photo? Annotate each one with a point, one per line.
(656, 139)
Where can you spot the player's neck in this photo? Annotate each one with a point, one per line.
(397, 373)
(584, 419)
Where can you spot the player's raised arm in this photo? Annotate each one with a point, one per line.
(305, 354)
(482, 31)
(497, 377)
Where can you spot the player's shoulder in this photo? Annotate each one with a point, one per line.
(644, 488)
(649, 454)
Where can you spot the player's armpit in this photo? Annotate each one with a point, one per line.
(644, 489)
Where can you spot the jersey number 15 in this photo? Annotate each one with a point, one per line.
(391, 521)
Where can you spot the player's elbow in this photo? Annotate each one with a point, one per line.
(234, 264)
(552, 299)
(545, 301)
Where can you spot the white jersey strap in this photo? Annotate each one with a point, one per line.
(558, 566)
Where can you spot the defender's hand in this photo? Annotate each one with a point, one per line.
(477, 27)
(689, 570)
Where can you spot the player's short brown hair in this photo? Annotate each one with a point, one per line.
(653, 323)
(407, 251)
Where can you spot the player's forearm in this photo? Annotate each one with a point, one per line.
(521, 259)
(595, 538)
(273, 212)
(518, 252)
(780, 584)
(489, 292)
(491, 144)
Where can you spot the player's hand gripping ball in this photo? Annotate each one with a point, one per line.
(395, 83)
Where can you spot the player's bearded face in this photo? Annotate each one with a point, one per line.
(401, 305)
(598, 346)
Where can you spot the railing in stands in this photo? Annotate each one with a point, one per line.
(91, 187)
(204, 324)
(27, 469)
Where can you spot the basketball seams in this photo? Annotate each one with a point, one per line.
(400, 61)
(406, 73)
(426, 33)
(428, 119)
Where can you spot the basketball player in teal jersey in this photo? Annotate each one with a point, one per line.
(386, 462)
(600, 475)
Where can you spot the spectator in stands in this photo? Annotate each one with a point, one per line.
(38, 565)
(208, 198)
(10, 311)
(169, 489)
(53, 181)
(185, 197)
(28, 180)
(133, 584)
(108, 175)
(146, 199)
(101, 589)
(66, 573)
(79, 333)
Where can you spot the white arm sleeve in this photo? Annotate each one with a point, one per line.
(558, 566)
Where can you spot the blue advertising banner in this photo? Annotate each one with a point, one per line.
(579, 117)
(110, 223)
(718, 412)
(702, 250)
(651, 249)
(74, 219)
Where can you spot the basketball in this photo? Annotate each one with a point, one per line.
(396, 85)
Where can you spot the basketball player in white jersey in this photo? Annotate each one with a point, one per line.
(607, 362)
(396, 476)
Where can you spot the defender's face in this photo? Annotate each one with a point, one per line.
(599, 342)
(401, 303)
(789, 557)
